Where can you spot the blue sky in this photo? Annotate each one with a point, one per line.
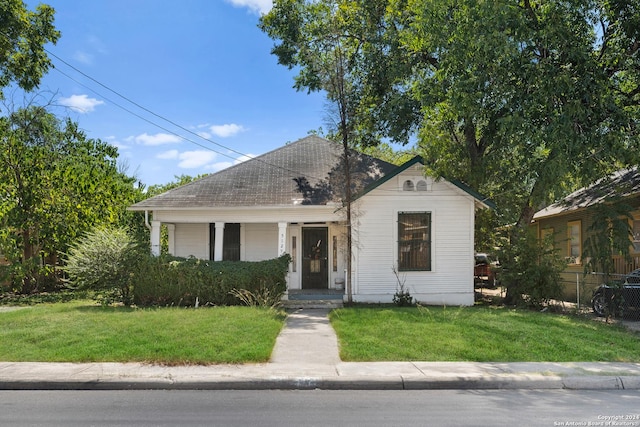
(202, 64)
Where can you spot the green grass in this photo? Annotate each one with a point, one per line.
(481, 334)
(81, 332)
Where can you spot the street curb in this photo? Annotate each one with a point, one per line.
(512, 382)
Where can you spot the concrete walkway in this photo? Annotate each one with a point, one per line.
(306, 357)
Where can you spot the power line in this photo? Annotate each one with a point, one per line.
(164, 119)
(141, 117)
(161, 117)
(138, 105)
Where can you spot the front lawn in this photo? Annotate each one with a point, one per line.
(481, 334)
(82, 332)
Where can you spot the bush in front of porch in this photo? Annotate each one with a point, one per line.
(171, 281)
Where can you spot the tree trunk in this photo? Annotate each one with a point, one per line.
(347, 167)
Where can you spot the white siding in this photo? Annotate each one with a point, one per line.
(452, 219)
(260, 242)
(192, 240)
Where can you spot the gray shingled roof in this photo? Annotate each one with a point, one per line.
(622, 183)
(301, 172)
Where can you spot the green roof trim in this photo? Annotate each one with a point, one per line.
(418, 159)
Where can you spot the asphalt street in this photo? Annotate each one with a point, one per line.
(320, 408)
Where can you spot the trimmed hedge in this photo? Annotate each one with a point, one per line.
(171, 281)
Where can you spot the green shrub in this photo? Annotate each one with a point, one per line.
(531, 271)
(402, 297)
(104, 260)
(171, 281)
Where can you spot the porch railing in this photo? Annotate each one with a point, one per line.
(622, 266)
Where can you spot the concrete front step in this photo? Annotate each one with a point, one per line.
(314, 303)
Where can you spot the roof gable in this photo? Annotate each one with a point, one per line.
(484, 201)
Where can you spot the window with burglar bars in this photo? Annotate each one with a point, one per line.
(414, 241)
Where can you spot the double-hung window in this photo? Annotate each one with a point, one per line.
(414, 241)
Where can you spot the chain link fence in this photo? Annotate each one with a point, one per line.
(617, 295)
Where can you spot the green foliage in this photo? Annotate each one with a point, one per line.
(402, 297)
(609, 234)
(24, 34)
(263, 297)
(524, 101)
(56, 185)
(170, 281)
(531, 270)
(64, 295)
(104, 260)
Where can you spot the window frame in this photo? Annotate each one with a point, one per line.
(229, 246)
(574, 259)
(407, 263)
(635, 235)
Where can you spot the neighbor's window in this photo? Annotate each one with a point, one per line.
(636, 235)
(574, 230)
(414, 241)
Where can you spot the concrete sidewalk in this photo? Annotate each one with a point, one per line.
(306, 357)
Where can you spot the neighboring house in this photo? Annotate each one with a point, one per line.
(569, 221)
(286, 201)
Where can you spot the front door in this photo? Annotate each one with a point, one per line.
(314, 258)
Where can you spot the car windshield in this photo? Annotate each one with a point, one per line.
(483, 259)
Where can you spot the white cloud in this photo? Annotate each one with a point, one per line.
(83, 57)
(215, 167)
(171, 154)
(195, 159)
(81, 103)
(255, 6)
(244, 158)
(227, 130)
(157, 139)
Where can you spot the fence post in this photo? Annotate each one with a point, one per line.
(578, 291)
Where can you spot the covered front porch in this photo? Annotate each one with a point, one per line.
(317, 248)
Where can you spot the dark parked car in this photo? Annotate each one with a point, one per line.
(623, 296)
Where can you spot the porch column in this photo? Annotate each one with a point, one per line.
(282, 238)
(155, 237)
(171, 232)
(218, 247)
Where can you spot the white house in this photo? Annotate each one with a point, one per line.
(288, 201)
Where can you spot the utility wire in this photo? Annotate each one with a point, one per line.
(166, 119)
(141, 106)
(141, 117)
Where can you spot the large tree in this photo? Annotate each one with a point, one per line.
(23, 35)
(55, 183)
(316, 38)
(522, 99)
